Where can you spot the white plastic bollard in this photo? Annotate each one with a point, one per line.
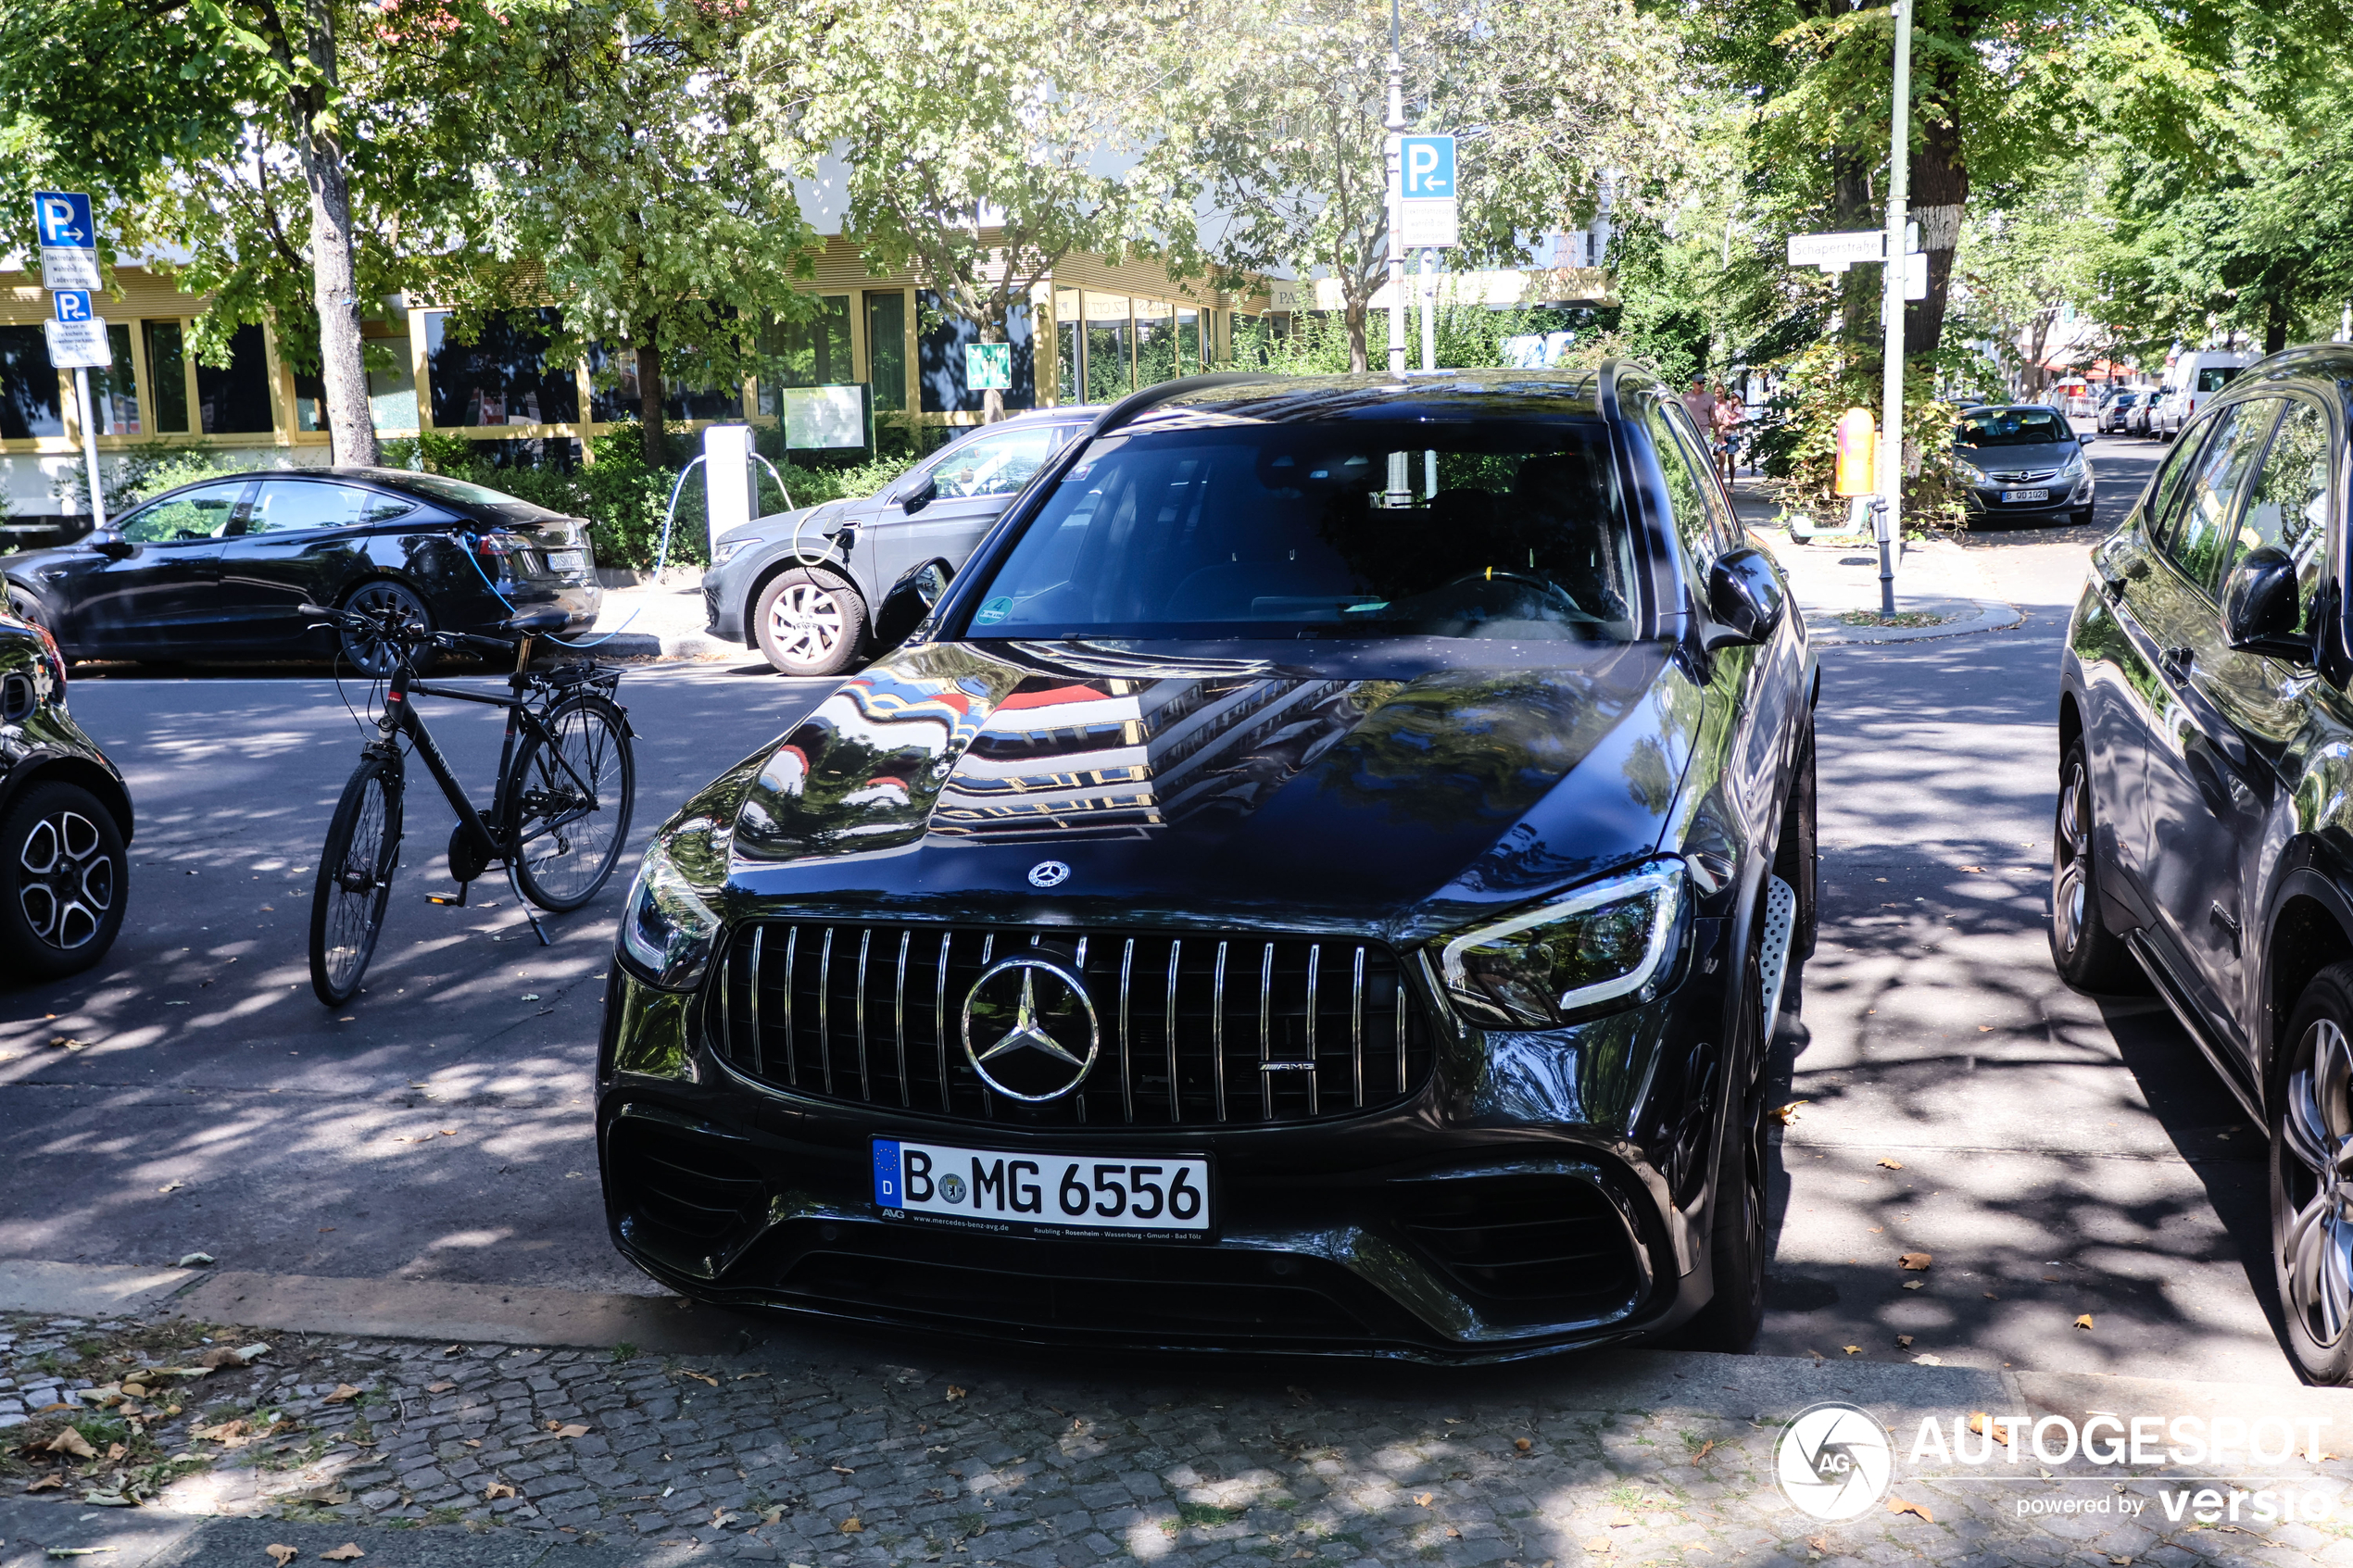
(728, 482)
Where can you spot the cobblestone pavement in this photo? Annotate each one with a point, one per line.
(413, 1450)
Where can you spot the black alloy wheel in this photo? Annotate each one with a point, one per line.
(356, 869)
(810, 622)
(2089, 956)
(378, 657)
(64, 883)
(2311, 1157)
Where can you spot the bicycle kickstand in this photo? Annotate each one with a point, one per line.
(528, 912)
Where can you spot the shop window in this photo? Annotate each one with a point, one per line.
(1189, 359)
(942, 347)
(887, 347)
(311, 401)
(1067, 334)
(392, 382)
(1156, 357)
(114, 390)
(233, 400)
(618, 401)
(1110, 372)
(814, 352)
(28, 403)
(168, 374)
(501, 378)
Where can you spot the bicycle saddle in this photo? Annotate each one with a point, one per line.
(535, 623)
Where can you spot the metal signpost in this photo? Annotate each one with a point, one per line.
(77, 334)
(1898, 272)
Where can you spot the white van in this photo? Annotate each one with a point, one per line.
(2189, 382)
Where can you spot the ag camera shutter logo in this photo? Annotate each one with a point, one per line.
(1832, 1461)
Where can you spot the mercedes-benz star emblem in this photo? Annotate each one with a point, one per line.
(1048, 873)
(1029, 1028)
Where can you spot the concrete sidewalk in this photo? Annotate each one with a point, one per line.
(1942, 590)
(659, 620)
(455, 1438)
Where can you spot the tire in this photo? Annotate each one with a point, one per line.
(2081, 519)
(1736, 1234)
(2088, 955)
(2312, 1125)
(25, 605)
(810, 622)
(565, 855)
(356, 869)
(64, 882)
(373, 656)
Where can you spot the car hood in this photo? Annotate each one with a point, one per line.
(1400, 787)
(812, 520)
(2008, 459)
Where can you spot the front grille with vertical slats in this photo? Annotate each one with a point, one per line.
(1198, 1029)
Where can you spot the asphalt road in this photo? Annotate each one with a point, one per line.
(2057, 1155)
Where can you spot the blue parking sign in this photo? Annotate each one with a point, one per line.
(73, 304)
(1427, 165)
(63, 219)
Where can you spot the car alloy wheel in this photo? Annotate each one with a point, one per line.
(2312, 1179)
(810, 623)
(2087, 954)
(807, 622)
(65, 880)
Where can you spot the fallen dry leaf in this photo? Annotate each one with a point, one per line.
(1600, 1545)
(1423, 1500)
(1452, 1530)
(699, 1376)
(1915, 1261)
(344, 1393)
(1522, 1444)
(495, 1490)
(1816, 1354)
(1912, 1284)
(1704, 1450)
(1897, 1505)
(1851, 1349)
(2083, 1321)
(574, 1430)
(115, 1451)
(850, 1527)
(221, 1356)
(1819, 1543)
(1903, 1341)
(1985, 1428)
(171, 1186)
(1991, 1297)
(229, 1433)
(439, 1387)
(954, 1392)
(1890, 1165)
(1785, 1114)
(771, 1516)
(282, 1555)
(47, 1483)
(1622, 1520)
(1980, 870)
(1928, 1360)
(347, 1552)
(70, 1442)
(841, 1470)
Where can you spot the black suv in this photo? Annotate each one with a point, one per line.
(1321, 878)
(65, 820)
(2205, 832)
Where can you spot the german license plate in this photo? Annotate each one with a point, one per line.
(2026, 495)
(1150, 1199)
(567, 561)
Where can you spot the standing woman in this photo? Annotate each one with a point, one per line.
(1727, 420)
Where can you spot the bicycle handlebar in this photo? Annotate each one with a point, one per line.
(408, 631)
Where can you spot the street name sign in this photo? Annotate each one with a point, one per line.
(79, 346)
(1837, 252)
(68, 239)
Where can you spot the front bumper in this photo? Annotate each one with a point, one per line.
(1538, 1192)
(1985, 501)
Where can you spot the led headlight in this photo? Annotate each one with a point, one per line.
(1608, 943)
(728, 549)
(2073, 469)
(667, 930)
(1967, 472)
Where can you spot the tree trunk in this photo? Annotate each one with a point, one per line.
(335, 289)
(1939, 196)
(993, 330)
(649, 397)
(1355, 314)
(1858, 288)
(2275, 322)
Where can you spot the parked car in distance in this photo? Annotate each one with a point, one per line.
(2113, 412)
(2206, 793)
(221, 568)
(2136, 418)
(2190, 382)
(2022, 462)
(65, 820)
(804, 586)
(1272, 903)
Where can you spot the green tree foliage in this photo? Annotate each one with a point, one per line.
(1291, 125)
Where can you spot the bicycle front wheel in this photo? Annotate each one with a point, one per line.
(355, 879)
(572, 800)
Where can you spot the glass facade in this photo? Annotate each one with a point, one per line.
(392, 382)
(814, 352)
(114, 391)
(1068, 336)
(502, 377)
(168, 375)
(887, 347)
(1156, 356)
(28, 404)
(1111, 370)
(942, 361)
(233, 400)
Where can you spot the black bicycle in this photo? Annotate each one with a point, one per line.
(567, 776)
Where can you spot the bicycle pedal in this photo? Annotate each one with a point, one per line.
(455, 901)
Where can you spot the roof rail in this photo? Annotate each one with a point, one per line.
(1135, 403)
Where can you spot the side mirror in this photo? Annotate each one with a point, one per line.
(910, 599)
(2260, 606)
(110, 544)
(1745, 601)
(919, 497)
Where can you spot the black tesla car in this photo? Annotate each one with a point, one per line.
(1321, 878)
(65, 821)
(2203, 837)
(221, 568)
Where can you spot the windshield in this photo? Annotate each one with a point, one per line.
(1213, 527)
(2014, 427)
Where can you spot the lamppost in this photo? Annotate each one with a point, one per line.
(1396, 124)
